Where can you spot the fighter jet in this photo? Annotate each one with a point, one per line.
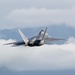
(39, 40)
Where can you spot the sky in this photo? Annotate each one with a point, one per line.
(33, 14)
(36, 13)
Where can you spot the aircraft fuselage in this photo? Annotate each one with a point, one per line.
(35, 43)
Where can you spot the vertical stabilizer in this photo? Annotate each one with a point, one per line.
(23, 37)
(44, 34)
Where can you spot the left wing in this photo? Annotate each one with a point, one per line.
(16, 43)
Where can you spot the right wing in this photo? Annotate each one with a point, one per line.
(50, 39)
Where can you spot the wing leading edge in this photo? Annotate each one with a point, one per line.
(50, 39)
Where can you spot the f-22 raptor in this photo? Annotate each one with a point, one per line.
(39, 40)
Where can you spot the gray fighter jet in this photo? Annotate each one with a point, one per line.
(41, 39)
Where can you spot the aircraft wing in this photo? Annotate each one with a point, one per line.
(50, 39)
(16, 43)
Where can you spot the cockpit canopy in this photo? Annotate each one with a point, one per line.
(41, 32)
